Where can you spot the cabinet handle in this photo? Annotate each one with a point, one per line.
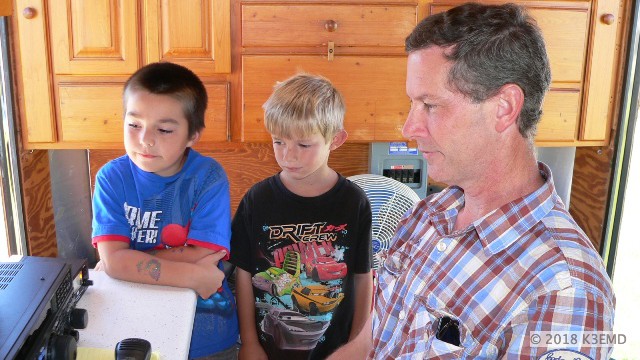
(608, 19)
(331, 49)
(29, 12)
(331, 25)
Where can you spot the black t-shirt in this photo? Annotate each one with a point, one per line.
(302, 253)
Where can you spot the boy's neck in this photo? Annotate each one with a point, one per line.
(313, 185)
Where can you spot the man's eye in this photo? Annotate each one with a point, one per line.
(133, 126)
(429, 107)
(305, 146)
(165, 131)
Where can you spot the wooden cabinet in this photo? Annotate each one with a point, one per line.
(74, 57)
(358, 45)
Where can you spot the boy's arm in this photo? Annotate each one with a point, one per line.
(251, 348)
(363, 284)
(123, 263)
(358, 347)
(189, 253)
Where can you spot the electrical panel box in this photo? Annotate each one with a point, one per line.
(398, 161)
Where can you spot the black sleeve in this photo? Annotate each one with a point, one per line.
(364, 258)
(240, 236)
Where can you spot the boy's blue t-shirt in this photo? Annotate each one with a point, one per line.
(191, 207)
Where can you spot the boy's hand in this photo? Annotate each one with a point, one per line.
(211, 277)
(252, 351)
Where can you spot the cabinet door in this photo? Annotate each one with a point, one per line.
(92, 114)
(94, 37)
(193, 33)
(601, 72)
(33, 75)
(373, 89)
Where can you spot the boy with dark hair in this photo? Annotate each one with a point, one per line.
(302, 238)
(162, 211)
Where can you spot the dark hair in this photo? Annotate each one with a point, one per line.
(176, 81)
(491, 45)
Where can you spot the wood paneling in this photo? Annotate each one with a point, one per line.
(6, 8)
(92, 112)
(590, 190)
(316, 25)
(376, 108)
(38, 203)
(248, 163)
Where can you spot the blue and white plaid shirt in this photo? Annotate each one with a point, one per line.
(524, 267)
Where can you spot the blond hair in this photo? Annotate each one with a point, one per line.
(303, 105)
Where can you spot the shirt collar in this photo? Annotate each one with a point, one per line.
(503, 226)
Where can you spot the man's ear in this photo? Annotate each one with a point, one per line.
(194, 139)
(338, 139)
(510, 99)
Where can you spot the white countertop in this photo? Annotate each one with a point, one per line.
(118, 309)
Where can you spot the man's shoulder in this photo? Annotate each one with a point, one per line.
(566, 234)
(576, 254)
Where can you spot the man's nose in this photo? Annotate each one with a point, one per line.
(408, 129)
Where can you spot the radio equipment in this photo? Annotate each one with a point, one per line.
(38, 316)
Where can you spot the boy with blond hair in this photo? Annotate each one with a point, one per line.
(301, 239)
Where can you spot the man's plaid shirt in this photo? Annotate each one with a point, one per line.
(524, 267)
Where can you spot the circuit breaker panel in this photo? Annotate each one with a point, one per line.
(398, 161)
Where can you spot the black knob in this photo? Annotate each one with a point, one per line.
(78, 318)
(62, 347)
(74, 333)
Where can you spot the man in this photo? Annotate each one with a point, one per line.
(493, 265)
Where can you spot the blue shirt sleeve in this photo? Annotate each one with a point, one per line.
(211, 217)
(108, 214)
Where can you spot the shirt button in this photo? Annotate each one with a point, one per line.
(441, 246)
(402, 315)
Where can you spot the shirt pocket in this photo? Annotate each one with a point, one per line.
(435, 348)
(469, 348)
(419, 334)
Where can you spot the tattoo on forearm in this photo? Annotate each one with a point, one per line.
(151, 267)
(177, 250)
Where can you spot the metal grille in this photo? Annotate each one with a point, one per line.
(8, 271)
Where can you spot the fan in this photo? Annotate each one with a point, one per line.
(389, 199)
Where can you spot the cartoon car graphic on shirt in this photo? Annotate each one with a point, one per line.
(292, 330)
(325, 268)
(315, 299)
(277, 281)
